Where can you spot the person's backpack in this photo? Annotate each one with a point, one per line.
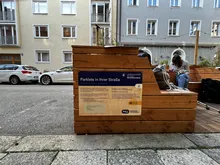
(210, 91)
(162, 77)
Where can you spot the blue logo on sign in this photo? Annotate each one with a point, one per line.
(125, 111)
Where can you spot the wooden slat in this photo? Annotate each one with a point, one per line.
(177, 93)
(147, 115)
(148, 89)
(148, 75)
(110, 62)
(103, 50)
(162, 102)
(133, 127)
(207, 71)
(197, 74)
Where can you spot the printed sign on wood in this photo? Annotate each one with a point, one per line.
(106, 93)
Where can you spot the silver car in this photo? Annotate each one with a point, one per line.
(15, 74)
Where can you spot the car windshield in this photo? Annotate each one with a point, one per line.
(30, 68)
(66, 69)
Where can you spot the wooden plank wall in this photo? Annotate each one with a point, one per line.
(197, 74)
(161, 111)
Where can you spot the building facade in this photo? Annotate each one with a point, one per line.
(103, 22)
(167, 27)
(41, 32)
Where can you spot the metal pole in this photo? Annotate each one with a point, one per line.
(196, 47)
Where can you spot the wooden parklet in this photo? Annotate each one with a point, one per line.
(162, 111)
(198, 73)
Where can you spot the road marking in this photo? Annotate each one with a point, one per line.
(25, 110)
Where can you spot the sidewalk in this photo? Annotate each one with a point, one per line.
(150, 149)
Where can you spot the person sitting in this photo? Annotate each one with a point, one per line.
(181, 68)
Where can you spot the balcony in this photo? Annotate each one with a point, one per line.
(102, 41)
(8, 41)
(7, 16)
(100, 18)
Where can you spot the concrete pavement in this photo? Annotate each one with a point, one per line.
(149, 149)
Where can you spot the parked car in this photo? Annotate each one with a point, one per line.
(15, 74)
(63, 75)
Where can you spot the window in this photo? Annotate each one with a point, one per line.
(133, 2)
(40, 6)
(7, 10)
(100, 12)
(30, 68)
(1, 66)
(41, 31)
(174, 26)
(152, 3)
(42, 56)
(216, 3)
(67, 57)
(215, 29)
(152, 27)
(10, 67)
(69, 31)
(8, 35)
(194, 26)
(67, 69)
(132, 27)
(175, 3)
(197, 3)
(104, 35)
(68, 6)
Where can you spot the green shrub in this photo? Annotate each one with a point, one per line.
(205, 63)
(164, 62)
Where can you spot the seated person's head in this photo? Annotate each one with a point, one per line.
(177, 60)
(142, 53)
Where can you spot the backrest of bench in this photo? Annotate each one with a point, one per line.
(197, 74)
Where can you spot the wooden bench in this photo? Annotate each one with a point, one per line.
(162, 111)
(197, 74)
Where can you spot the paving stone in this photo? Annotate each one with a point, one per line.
(205, 140)
(102, 142)
(81, 158)
(134, 157)
(7, 141)
(2, 155)
(213, 153)
(185, 157)
(40, 158)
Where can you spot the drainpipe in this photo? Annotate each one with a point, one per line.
(118, 22)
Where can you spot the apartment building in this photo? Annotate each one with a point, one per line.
(103, 22)
(41, 32)
(167, 27)
(9, 36)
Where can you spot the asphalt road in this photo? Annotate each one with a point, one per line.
(36, 110)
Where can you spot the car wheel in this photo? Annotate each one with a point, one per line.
(45, 80)
(14, 80)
